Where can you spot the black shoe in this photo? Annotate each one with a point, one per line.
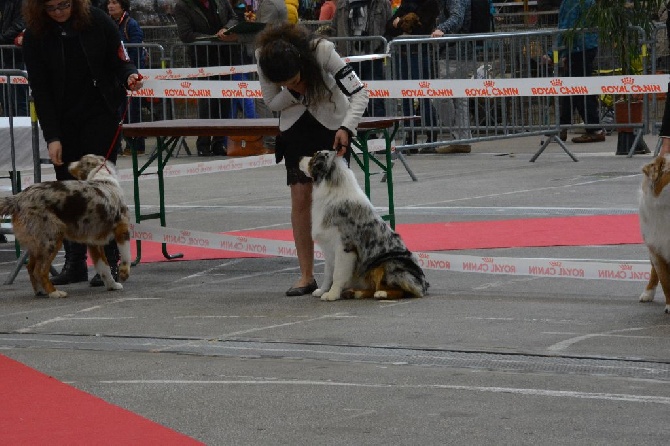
(302, 290)
(97, 280)
(218, 149)
(72, 272)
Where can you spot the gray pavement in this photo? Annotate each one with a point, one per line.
(213, 349)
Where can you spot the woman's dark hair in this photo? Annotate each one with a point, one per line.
(125, 4)
(38, 21)
(288, 49)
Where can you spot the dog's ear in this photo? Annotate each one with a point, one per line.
(654, 169)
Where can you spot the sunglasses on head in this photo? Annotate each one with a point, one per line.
(59, 7)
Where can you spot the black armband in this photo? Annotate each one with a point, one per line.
(348, 80)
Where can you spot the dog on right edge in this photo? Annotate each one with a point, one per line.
(364, 256)
(655, 226)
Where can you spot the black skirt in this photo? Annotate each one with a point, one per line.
(304, 138)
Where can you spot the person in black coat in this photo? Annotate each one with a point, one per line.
(79, 73)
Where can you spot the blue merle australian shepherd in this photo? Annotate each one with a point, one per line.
(364, 256)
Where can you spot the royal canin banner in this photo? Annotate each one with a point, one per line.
(434, 88)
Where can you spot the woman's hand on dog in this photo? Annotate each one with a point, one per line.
(55, 153)
(341, 142)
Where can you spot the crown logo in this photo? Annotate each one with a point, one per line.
(424, 84)
(556, 263)
(487, 259)
(626, 267)
(628, 81)
(201, 70)
(185, 84)
(556, 82)
(489, 84)
(242, 85)
(365, 85)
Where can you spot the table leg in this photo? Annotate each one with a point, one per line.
(361, 142)
(165, 146)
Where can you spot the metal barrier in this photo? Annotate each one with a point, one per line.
(11, 58)
(367, 70)
(509, 56)
(151, 55)
(517, 55)
(208, 54)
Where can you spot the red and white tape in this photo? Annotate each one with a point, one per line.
(433, 88)
(636, 271)
(181, 170)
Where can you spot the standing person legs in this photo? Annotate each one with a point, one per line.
(95, 136)
(301, 222)
(134, 114)
(403, 69)
(587, 106)
(372, 70)
(454, 114)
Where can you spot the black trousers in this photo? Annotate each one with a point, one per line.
(580, 65)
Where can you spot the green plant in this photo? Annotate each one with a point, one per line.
(618, 22)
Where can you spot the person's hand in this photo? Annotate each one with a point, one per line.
(396, 21)
(221, 34)
(665, 146)
(18, 40)
(55, 153)
(134, 82)
(341, 142)
(437, 33)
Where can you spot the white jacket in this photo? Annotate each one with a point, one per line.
(332, 113)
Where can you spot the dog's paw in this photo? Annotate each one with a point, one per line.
(57, 293)
(124, 272)
(667, 309)
(318, 292)
(330, 296)
(381, 294)
(647, 296)
(114, 286)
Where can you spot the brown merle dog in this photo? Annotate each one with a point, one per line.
(88, 210)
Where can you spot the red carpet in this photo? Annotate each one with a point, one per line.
(40, 410)
(530, 232)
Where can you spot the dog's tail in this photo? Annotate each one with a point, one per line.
(8, 206)
(406, 274)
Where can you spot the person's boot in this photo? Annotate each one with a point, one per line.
(112, 254)
(75, 269)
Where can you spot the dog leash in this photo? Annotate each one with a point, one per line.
(118, 131)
